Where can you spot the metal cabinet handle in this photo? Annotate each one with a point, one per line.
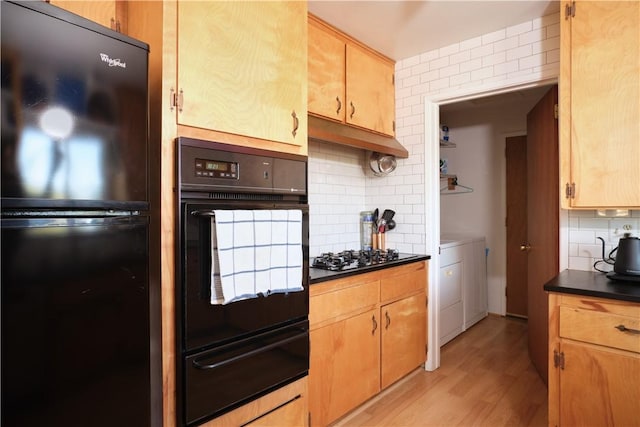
(386, 314)
(205, 366)
(525, 247)
(203, 213)
(623, 328)
(296, 123)
(339, 105)
(375, 324)
(353, 110)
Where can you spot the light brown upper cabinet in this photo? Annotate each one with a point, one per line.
(242, 69)
(349, 82)
(106, 13)
(600, 104)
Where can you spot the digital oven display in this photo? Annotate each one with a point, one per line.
(216, 169)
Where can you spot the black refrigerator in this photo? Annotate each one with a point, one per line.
(75, 222)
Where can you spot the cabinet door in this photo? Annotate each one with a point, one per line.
(600, 104)
(101, 12)
(598, 387)
(370, 91)
(404, 326)
(344, 366)
(326, 73)
(242, 68)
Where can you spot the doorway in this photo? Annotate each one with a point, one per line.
(487, 216)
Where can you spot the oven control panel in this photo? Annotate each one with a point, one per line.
(206, 166)
(216, 169)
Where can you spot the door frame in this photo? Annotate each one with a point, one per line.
(432, 203)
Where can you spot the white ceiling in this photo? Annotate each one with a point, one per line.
(401, 29)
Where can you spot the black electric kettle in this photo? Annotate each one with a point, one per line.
(628, 256)
(626, 262)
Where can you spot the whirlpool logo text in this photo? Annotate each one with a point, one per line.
(112, 62)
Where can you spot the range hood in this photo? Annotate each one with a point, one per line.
(324, 130)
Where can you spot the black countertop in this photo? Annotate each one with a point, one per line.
(318, 275)
(590, 283)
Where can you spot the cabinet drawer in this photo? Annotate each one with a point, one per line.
(403, 281)
(600, 328)
(342, 302)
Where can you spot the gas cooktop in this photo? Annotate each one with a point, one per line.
(353, 259)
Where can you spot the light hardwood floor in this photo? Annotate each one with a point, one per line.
(485, 379)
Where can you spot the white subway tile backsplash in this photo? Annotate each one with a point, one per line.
(582, 236)
(494, 36)
(427, 77)
(482, 51)
(439, 63)
(451, 70)
(506, 44)
(496, 58)
(427, 56)
(460, 79)
(531, 37)
(439, 84)
(449, 50)
(519, 29)
(573, 249)
(409, 81)
(505, 68)
(519, 52)
(460, 57)
(548, 21)
(553, 56)
(408, 62)
(545, 45)
(471, 44)
(420, 89)
(580, 263)
(532, 61)
(402, 73)
(482, 73)
(553, 30)
(420, 68)
(474, 64)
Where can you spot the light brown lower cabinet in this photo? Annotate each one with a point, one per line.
(367, 332)
(285, 407)
(403, 337)
(594, 361)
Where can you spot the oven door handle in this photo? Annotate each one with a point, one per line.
(203, 213)
(251, 353)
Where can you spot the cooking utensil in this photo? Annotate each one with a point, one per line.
(375, 220)
(387, 215)
(390, 225)
(382, 164)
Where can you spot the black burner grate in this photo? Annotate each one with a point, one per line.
(351, 259)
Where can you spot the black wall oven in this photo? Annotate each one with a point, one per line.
(230, 354)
